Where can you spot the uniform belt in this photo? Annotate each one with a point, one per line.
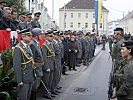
(24, 63)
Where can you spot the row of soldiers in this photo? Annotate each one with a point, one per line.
(35, 65)
(121, 77)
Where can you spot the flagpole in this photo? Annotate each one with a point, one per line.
(96, 14)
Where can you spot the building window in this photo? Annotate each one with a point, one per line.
(71, 25)
(93, 25)
(100, 25)
(93, 15)
(86, 15)
(39, 6)
(65, 15)
(79, 15)
(71, 15)
(86, 25)
(79, 24)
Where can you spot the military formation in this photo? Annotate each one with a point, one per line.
(38, 65)
(121, 77)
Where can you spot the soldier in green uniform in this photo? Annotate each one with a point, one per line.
(28, 20)
(38, 59)
(23, 67)
(35, 23)
(22, 25)
(125, 74)
(116, 56)
(49, 59)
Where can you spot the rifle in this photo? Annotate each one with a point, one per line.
(111, 81)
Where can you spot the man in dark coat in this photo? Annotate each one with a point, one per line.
(73, 49)
(5, 21)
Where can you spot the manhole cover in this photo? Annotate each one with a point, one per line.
(80, 90)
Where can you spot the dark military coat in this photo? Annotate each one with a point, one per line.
(126, 88)
(22, 26)
(47, 56)
(23, 72)
(37, 56)
(35, 24)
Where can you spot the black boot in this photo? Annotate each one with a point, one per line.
(33, 95)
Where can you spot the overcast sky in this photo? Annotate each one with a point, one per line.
(115, 7)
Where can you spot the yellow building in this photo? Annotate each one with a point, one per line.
(79, 15)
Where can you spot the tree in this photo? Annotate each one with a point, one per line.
(19, 3)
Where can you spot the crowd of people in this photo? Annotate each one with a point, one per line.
(36, 65)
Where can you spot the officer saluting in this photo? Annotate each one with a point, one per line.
(38, 59)
(23, 66)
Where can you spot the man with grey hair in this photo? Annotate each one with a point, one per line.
(5, 20)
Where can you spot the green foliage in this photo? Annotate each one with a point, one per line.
(7, 84)
(19, 3)
(5, 95)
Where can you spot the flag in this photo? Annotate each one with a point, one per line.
(4, 40)
(42, 40)
(99, 11)
(96, 11)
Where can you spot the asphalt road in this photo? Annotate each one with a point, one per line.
(89, 82)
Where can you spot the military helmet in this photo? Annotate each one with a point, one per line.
(36, 31)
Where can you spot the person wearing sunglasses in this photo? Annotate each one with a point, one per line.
(35, 23)
(28, 20)
(22, 25)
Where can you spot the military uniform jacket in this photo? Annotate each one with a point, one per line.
(35, 24)
(62, 48)
(79, 45)
(23, 72)
(116, 54)
(57, 50)
(28, 24)
(22, 26)
(126, 88)
(48, 57)
(37, 57)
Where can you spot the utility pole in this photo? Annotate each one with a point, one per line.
(29, 5)
(64, 16)
(52, 14)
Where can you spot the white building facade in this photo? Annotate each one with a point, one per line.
(79, 15)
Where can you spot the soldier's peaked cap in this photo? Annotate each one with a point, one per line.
(2, 2)
(25, 32)
(49, 32)
(127, 44)
(28, 14)
(57, 32)
(36, 31)
(37, 13)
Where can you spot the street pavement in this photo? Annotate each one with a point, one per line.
(88, 82)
